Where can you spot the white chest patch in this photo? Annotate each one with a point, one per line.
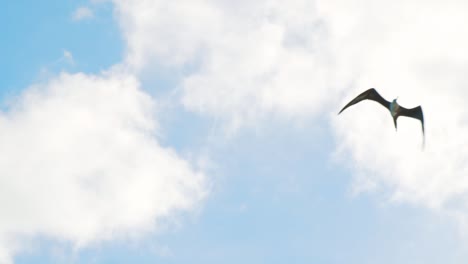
(394, 108)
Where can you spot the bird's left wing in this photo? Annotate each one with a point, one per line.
(414, 113)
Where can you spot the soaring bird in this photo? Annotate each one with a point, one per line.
(395, 109)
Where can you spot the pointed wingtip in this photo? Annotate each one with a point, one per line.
(424, 141)
(342, 109)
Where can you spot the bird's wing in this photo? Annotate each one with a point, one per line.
(370, 94)
(414, 113)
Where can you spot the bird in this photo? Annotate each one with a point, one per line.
(395, 109)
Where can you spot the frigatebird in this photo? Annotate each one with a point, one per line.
(395, 109)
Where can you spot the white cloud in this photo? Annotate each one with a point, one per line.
(85, 145)
(82, 13)
(68, 57)
(251, 59)
(80, 161)
(415, 51)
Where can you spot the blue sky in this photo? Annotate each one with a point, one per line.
(37, 38)
(282, 174)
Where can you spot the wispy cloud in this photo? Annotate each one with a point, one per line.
(252, 58)
(68, 57)
(82, 13)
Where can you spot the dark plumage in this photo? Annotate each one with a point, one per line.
(395, 109)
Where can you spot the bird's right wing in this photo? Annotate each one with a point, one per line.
(370, 94)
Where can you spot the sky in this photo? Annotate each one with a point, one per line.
(206, 131)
